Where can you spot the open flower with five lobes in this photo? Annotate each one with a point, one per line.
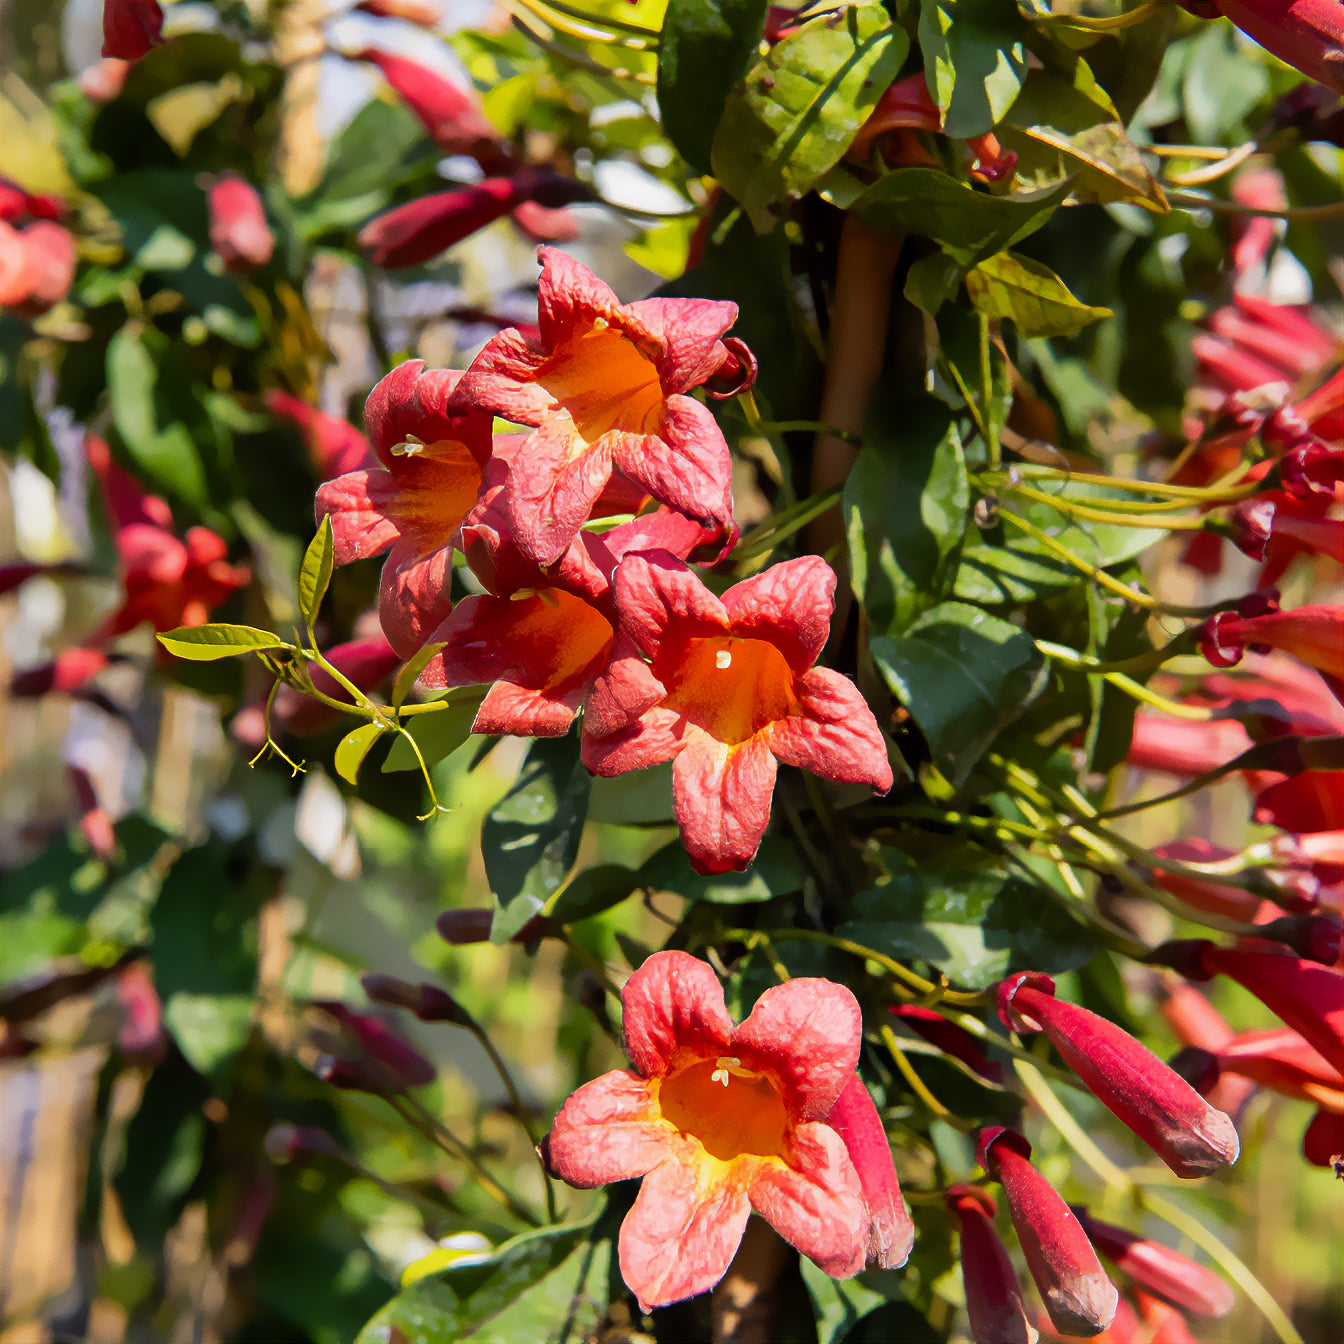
(720, 1121)
(604, 386)
(729, 690)
(432, 461)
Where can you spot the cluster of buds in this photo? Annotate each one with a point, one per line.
(37, 254)
(614, 622)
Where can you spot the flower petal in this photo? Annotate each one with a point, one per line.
(413, 401)
(655, 591)
(674, 1014)
(686, 465)
(682, 1233)
(569, 295)
(501, 380)
(806, 1034)
(789, 604)
(817, 1204)
(688, 331)
(414, 594)
(552, 487)
(657, 737)
(836, 735)
(609, 1130)
(621, 693)
(356, 505)
(527, 712)
(662, 530)
(721, 794)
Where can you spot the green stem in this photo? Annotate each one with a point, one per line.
(1072, 508)
(988, 427)
(1141, 662)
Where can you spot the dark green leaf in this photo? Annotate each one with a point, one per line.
(594, 890)
(704, 49)
(776, 871)
(905, 507)
(976, 923)
(932, 280)
(1032, 295)
(974, 61)
(929, 202)
(353, 748)
(963, 674)
(532, 1288)
(437, 735)
(531, 839)
(141, 388)
(315, 573)
(1100, 544)
(992, 574)
(799, 108)
(205, 643)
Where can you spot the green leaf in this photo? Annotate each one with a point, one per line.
(905, 506)
(209, 1028)
(542, 1286)
(991, 574)
(704, 49)
(438, 734)
(205, 643)
(929, 202)
(145, 395)
(1069, 113)
(315, 573)
(974, 61)
(353, 748)
(1032, 295)
(531, 839)
(1100, 544)
(776, 871)
(410, 673)
(974, 922)
(798, 109)
(932, 280)
(963, 674)
(592, 891)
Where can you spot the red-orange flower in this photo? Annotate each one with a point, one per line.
(603, 387)
(1313, 633)
(729, 689)
(720, 1121)
(239, 233)
(432, 461)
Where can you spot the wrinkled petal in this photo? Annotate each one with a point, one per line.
(835, 736)
(662, 530)
(413, 402)
(688, 330)
(657, 590)
(682, 1233)
(686, 465)
(609, 1130)
(816, 1205)
(621, 693)
(500, 379)
(806, 1034)
(356, 503)
(674, 1014)
(657, 737)
(569, 295)
(789, 604)
(721, 794)
(527, 712)
(414, 594)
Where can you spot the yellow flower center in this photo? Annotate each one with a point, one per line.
(729, 1110)
(606, 383)
(729, 687)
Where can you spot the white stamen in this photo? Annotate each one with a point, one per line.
(723, 659)
(600, 324)
(408, 447)
(719, 1076)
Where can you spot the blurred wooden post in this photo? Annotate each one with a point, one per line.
(299, 45)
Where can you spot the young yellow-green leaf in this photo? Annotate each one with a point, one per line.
(205, 643)
(798, 109)
(354, 747)
(1031, 295)
(438, 734)
(406, 678)
(315, 573)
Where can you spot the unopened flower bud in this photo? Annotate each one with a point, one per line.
(1080, 1298)
(1188, 1134)
(951, 1039)
(891, 1234)
(427, 1002)
(993, 1294)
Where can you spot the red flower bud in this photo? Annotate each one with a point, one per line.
(1160, 1270)
(854, 1117)
(1279, 1058)
(736, 372)
(1185, 747)
(1313, 633)
(131, 28)
(473, 926)
(1323, 1142)
(334, 445)
(412, 233)
(1306, 34)
(993, 1294)
(427, 1002)
(141, 1032)
(949, 1038)
(1310, 801)
(1162, 1324)
(65, 675)
(104, 80)
(453, 116)
(1080, 1298)
(1188, 1134)
(1204, 893)
(389, 1064)
(239, 233)
(425, 13)
(546, 224)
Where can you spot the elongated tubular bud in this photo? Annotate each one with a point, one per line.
(1160, 1270)
(891, 1234)
(1306, 34)
(1188, 1134)
(993, 1294)
(1080, 1298)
